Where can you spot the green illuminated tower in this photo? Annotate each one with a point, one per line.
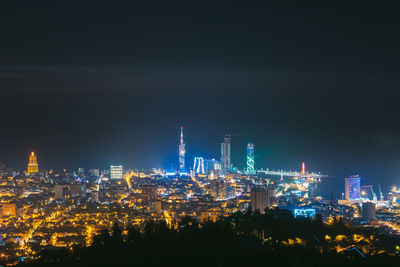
(250, 158)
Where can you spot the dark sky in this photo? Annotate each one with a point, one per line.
(93, 83)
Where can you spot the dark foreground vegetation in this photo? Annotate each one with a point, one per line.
(243, 239)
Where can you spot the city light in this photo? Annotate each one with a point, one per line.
(248, 133)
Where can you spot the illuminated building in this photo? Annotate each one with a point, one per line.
(33, 166)
(212, 165)
(226, 154)
(157, 206)
(308, 213)
(250, 158)
(116, 172)
(8, 210)
(182, 153)
(303, 168)
(352, 187)
(218, 189)
(81, 171)
(149, 192)
(198, 166)
(260, 199)
(210, 215)
(217, 166)
(394, 195)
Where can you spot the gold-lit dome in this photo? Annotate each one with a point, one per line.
(33, 166)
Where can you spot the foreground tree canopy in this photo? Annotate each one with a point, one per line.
(242, 239)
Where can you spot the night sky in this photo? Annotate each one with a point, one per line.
(92, 83)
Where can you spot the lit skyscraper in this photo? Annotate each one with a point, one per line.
(198, 166)
(182, 153)
(352, 187)
(116, 172)
(226, 154)
(33, 166)
(250, 158)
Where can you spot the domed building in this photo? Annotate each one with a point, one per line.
(33, 166)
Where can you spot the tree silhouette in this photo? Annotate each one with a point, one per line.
(116, 232)
(231, 241)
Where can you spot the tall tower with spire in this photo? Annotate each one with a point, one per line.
(33, 166)
(182, 152)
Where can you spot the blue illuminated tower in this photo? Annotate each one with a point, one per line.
(250, 158)
(182, 153)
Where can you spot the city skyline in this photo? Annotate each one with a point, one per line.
(325, 93)
(238, 133)
(240, 163)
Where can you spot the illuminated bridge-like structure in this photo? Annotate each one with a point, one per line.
(282, 173)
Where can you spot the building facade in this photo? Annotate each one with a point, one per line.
(261, 199)
(353, 187)
(33, 166)
(226, 154)
(116, 172)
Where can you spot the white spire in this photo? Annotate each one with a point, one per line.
(181, 134)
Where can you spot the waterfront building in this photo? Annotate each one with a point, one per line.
(352, 187)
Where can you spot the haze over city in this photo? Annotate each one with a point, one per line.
(313, 87)
(115, 83)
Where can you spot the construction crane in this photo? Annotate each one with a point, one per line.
(380, 192)
(373, 194)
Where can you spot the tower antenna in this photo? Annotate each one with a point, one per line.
(182, 152)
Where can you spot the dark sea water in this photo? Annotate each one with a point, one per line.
(331, 185)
